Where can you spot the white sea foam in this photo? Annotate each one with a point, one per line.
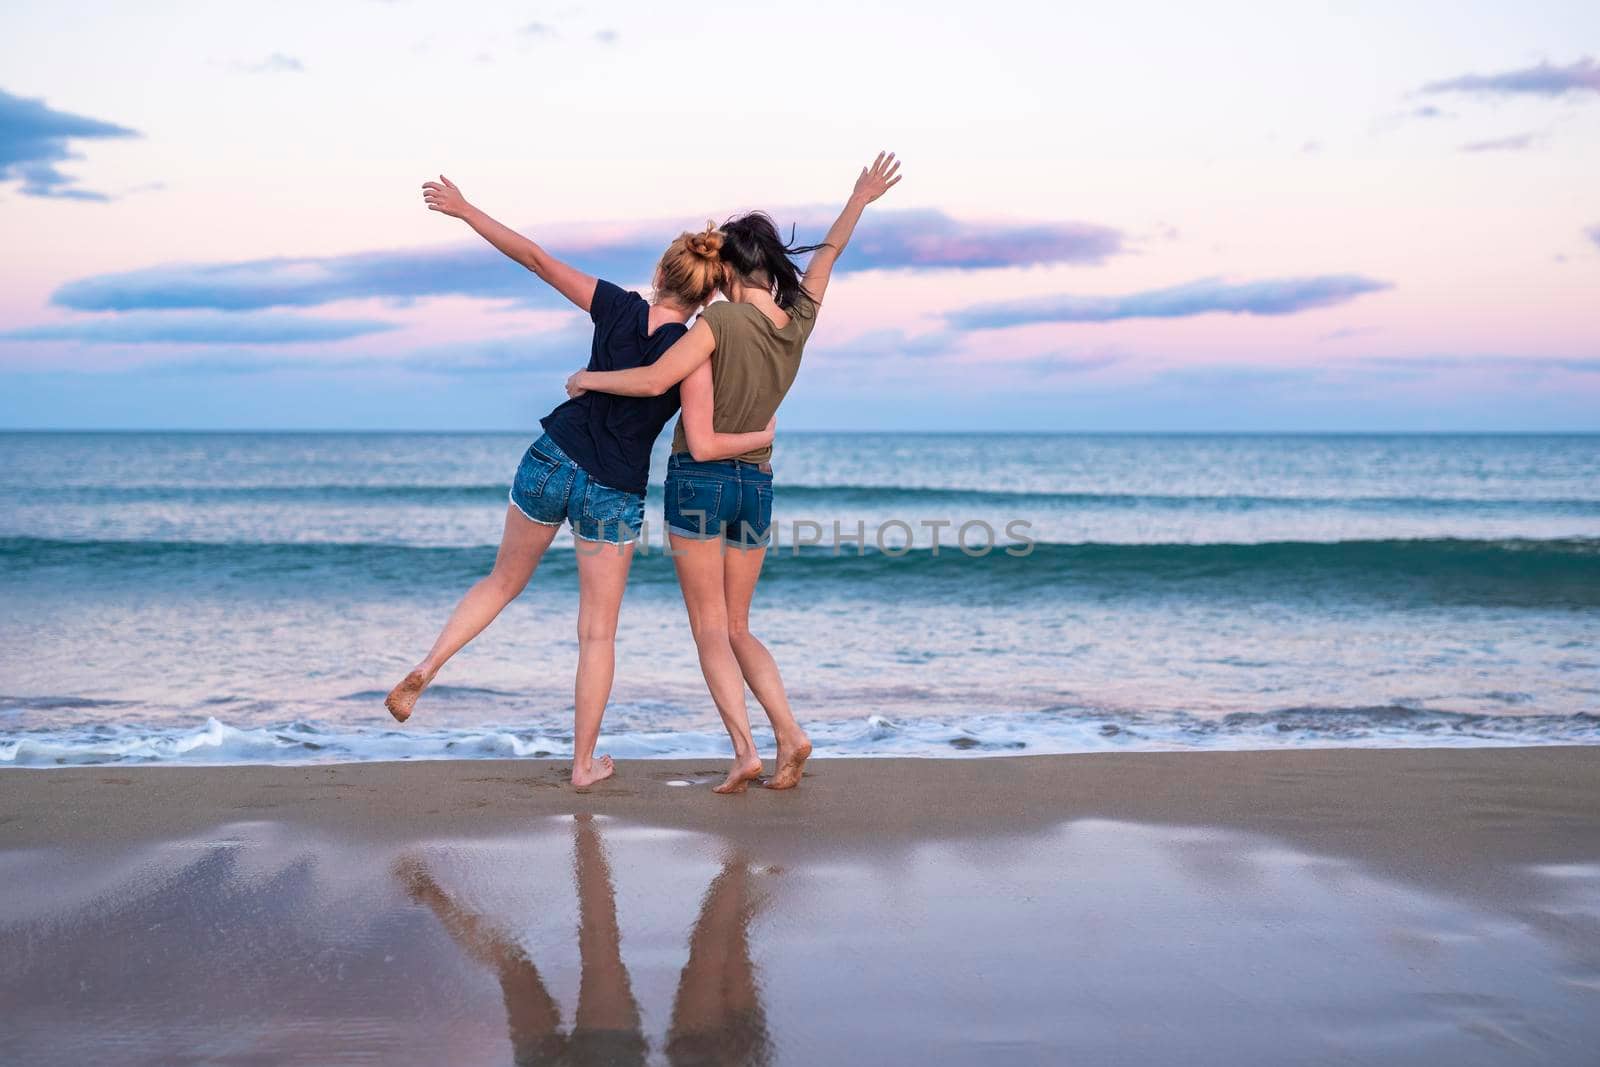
(1053, 730)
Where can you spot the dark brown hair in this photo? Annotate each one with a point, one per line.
(751, 245)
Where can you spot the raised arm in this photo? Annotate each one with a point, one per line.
(699, 413)
(873, 183)
(676, 363)
(443, 196)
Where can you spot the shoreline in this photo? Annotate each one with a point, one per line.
(888, 733)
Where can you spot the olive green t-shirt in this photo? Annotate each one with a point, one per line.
(752, 367)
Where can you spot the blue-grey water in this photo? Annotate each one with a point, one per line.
(250, 597)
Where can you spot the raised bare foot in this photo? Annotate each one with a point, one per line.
(740, 775)
(597, 771)
(403, 697)
(791, 759)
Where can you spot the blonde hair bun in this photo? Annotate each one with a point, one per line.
(691, 269)
(706, 244)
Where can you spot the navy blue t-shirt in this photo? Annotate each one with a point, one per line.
(610, 437)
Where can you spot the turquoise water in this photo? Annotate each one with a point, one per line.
(249, 597)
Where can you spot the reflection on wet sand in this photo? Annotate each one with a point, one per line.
(1436, 907)
(717, 1017)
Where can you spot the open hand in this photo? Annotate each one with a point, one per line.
(877, 179)
(443, 196)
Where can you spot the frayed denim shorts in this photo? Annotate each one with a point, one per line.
(549, 488)
(728, 499)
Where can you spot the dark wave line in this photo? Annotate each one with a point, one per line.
(1553, 573)
(841, 494)
(1582, 550)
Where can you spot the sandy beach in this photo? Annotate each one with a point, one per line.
(1251, 907)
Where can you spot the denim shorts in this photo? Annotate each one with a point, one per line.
(729, 499)
(550, 489)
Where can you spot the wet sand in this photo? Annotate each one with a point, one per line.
(1345, 906)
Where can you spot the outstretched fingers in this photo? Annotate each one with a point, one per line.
(880, 177)
(442, 195)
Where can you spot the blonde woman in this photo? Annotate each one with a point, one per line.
(589, 468)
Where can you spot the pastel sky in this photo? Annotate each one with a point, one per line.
(1131, 216)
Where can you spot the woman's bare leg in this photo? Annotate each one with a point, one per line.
(521, 546)
(699, 566)
(741, 571)
(602, 579)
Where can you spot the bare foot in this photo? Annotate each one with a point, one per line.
(403, 697)
(597, 771)
(740, 775)
(791, 760)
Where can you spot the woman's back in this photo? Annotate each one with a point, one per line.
(610, 437)
(754, 365)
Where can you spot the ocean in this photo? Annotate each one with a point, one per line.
(234, 597)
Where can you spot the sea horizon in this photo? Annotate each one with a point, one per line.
(932, 431)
